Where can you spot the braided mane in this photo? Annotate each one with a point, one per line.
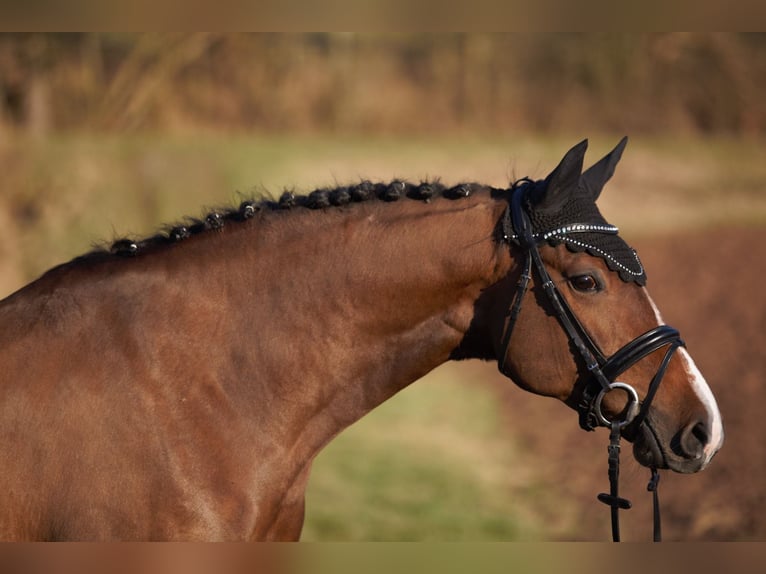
(318, 199)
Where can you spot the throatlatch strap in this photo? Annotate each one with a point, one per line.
(513, 314)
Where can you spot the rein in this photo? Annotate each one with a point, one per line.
(602, 371)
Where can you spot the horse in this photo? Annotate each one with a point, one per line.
(179, 386)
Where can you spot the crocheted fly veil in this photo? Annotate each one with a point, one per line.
(562, 209)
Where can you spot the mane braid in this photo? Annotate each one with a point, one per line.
(319, 199)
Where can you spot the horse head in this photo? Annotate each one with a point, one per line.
(590, 335)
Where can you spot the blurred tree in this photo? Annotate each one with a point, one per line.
(376, 83)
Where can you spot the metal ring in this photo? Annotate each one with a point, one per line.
(632, 404)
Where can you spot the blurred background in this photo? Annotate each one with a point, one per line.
(103, 135)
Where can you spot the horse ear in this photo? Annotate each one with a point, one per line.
(561, 181)
(596, 176)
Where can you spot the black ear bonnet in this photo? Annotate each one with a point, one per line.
(562, 209)
(581, 227)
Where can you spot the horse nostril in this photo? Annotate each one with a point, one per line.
(700, 433)
(693, 440)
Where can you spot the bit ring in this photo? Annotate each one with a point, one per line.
(632, 407)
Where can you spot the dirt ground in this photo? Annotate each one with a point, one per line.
(709, 286)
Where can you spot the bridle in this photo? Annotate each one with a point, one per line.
(602, 371)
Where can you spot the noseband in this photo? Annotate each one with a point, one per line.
(602, 371)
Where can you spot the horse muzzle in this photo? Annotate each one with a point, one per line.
(684, 451)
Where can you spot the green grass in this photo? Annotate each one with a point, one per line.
(431, 464)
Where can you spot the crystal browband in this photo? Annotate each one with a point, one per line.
(578, 228)
(562, 234)
(573, 228)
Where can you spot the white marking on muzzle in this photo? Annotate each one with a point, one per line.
(704, 394)
(701, 388)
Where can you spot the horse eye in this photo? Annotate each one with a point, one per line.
(587, 283)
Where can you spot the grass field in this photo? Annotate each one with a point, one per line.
(434, 462)
(411, 469)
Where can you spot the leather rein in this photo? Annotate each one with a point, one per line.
(602, 371)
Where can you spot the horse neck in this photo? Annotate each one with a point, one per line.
(356, 304)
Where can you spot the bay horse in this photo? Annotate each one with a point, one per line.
(178, 387)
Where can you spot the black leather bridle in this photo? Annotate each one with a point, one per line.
(602, 371)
